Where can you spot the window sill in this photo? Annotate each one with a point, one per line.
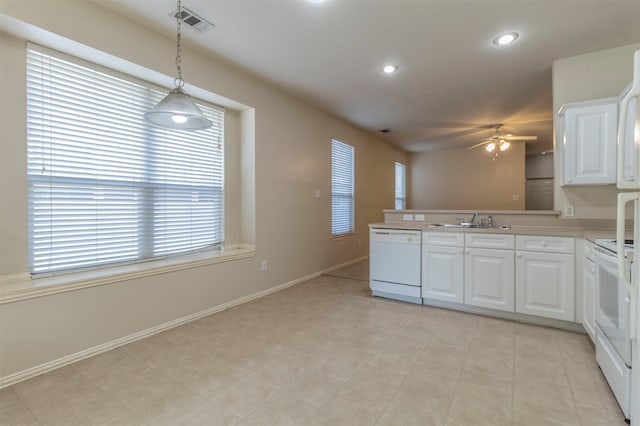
(27, 287)
(343, 236)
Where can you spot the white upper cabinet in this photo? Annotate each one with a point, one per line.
(587, 132)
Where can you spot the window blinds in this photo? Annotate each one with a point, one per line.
(400, 189)
(342, 188)
(104, 185)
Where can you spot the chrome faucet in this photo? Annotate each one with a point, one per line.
(489, 221)
(473, 218)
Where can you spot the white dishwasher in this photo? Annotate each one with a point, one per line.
(395, 264)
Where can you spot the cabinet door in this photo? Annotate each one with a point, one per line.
(489, 279)
(589, 282)
(545, 285)
(590, 144)
(442, 273)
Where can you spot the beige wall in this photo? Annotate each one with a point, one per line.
(277, 174)
(467, 179)
(595, 75)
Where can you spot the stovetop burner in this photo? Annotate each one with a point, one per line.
(626, 242)
(612, 245)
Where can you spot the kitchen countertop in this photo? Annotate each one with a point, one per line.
(589, 234)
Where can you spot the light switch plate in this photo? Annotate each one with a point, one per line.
(407, 217)
(420, 217)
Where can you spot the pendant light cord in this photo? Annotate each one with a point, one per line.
(178, 81)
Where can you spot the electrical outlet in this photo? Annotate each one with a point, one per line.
(407, 217)
(263, 266)
(420, 217)
(568, 210)
(317, 194)
(516, 197)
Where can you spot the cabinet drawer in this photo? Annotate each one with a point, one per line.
(545, 244)
(450, 239)
(494, 241)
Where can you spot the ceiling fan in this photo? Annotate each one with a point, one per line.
(501, 141)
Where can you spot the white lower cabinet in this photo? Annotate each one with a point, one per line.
(545, 279)
(521, 274)
(544, 285)
(589, 291)
(443, 267)
(488, 281)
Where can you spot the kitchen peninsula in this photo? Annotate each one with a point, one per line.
(522, 265)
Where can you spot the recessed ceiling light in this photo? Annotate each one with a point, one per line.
(390, 69)
(504, 39)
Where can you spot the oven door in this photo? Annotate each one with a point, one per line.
(612, 304)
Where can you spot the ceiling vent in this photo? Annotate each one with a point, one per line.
(194, 21)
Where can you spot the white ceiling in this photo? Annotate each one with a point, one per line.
(453, 83)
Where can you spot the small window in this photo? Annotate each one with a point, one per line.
(401, 186)
(342, 188)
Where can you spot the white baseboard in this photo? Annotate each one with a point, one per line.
(345, 264)
(69, 359)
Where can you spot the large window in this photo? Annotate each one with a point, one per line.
(401, 186)
(342, 161)
(106, 187)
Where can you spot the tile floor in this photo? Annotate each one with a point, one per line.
(327, 353)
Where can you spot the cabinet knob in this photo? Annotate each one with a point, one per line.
(519, 255)
(543, 244)
(593, 270)
(467, 251)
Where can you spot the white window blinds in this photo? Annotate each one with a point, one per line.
(342, 188)
(400, 189)
(104, 185)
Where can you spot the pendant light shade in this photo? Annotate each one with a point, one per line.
(177, 110)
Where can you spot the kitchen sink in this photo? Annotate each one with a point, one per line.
(468, 225)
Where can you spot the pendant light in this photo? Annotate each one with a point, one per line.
(177, 110)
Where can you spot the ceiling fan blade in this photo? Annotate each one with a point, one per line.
(479, 144)
(521, 138)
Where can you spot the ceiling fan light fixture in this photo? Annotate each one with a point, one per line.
(504, 145)
(505, 39)
(177, 110)
(490, 146)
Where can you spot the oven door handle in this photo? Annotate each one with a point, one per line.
(623, 199)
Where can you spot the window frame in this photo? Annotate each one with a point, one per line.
(342, 225)
(400, 191)
(142, 186)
